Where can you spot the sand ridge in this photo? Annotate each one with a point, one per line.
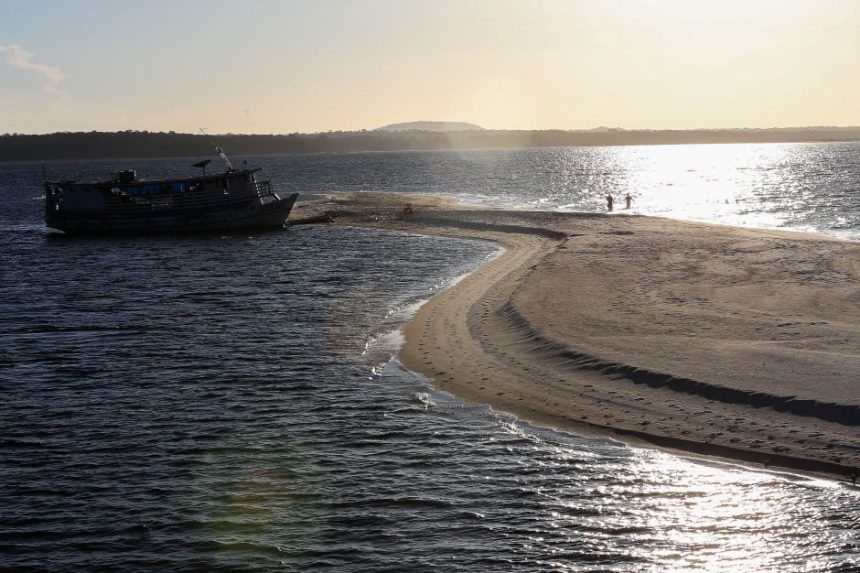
(726, 341)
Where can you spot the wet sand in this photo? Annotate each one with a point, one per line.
(717, 340)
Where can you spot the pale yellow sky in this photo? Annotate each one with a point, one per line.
(278, 66)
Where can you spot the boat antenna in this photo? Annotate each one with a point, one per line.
(219, 151)
(202, 165)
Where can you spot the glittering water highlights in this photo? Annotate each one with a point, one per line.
(796, 186)
(230, 403)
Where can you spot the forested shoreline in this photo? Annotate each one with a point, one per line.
(94, 144)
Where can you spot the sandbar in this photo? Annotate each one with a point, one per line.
(724, 341)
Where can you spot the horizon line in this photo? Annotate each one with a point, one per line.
(483, 129)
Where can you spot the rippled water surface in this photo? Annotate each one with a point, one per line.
(228, 402)
(799, 186)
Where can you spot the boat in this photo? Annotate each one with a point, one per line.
(234, 199)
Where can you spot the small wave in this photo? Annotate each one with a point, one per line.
(389, 341)
(424, 399)
(246, 546)
(26, 229)
(407, 501)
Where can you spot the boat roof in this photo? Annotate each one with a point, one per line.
(137, 182)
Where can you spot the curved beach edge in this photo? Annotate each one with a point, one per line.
(503, 335)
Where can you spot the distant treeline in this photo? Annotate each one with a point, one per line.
(94, 144)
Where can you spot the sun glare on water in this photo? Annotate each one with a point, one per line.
(707, 182)
(724, 518)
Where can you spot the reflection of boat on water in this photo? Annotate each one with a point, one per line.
(234, 199)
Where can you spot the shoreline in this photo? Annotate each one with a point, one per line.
(538, 331)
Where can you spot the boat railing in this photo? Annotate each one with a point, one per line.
(199, 197)
(264, 188)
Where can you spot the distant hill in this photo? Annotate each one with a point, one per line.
(431, 126)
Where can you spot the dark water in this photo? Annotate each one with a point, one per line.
(228, 402)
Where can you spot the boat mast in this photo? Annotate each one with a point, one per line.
(219, 151)
(224, 157)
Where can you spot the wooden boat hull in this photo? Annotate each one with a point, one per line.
(243, 213)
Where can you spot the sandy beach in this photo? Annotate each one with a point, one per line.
(723, 341)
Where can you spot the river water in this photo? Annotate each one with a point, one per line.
(230, 402)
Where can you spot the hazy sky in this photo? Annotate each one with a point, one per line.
(267, 66)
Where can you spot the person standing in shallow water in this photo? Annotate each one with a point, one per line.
(627, 201)
(609, 202)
